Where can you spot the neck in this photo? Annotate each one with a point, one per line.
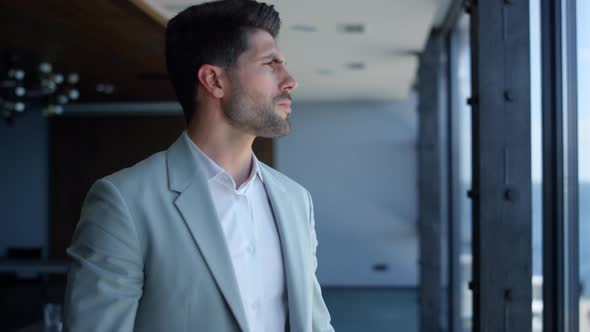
(227, 146)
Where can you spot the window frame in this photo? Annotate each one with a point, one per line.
(560, 162)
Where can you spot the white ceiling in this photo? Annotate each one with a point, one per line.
(394, 30)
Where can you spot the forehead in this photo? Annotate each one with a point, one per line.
(261, 44)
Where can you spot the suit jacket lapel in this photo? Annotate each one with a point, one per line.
(196, 207)
(293, 241)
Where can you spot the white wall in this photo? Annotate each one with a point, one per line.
(24, 169)
(358, 160)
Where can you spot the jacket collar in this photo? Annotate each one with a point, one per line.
(294, 236)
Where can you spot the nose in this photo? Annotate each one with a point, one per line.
(289, 84)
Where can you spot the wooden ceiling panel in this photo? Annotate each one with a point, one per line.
(106, 41)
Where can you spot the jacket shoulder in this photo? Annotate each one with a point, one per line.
(151, 170)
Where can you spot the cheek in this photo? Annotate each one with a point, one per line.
(264, 86)
(266, 77)
(261, 83)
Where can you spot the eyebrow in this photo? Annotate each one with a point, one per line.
(275, 57)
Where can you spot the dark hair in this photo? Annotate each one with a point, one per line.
(211, 33)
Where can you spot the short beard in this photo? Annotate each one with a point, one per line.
(260, 119)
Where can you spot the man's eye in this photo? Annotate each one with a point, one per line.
(274, 62)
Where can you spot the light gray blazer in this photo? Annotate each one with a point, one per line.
(149, 253)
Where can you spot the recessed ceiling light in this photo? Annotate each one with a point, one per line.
(304, 28)
(356, 65)
(405, 52)
(380, 267)
(352, 28)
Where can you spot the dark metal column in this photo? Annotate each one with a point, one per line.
(560, 176)
(432, 184)
(502, 247)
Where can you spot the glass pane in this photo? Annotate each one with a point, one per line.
(462, 146)
(583, 42)
(537, 166)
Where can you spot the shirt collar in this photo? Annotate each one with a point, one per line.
(213, 170)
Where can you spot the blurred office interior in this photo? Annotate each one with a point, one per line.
(443, 142)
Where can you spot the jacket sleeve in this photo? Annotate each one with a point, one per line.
(105, 278)
(320, 317)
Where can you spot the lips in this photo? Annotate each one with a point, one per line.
(283, 99)
(286, 103)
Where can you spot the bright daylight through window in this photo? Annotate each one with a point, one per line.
(583, 42)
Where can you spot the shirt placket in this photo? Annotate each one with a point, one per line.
(254, 268)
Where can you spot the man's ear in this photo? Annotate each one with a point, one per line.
(211, 79)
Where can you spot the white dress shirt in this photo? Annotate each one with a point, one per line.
(253, 242)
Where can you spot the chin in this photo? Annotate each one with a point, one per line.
(277, 132)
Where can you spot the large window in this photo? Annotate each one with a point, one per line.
(461, 86)
(536, 166)
(461, 151)
(583, 57)
(461, 91)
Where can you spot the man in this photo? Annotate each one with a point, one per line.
(203, 237)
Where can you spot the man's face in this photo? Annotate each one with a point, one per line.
(259, 99)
